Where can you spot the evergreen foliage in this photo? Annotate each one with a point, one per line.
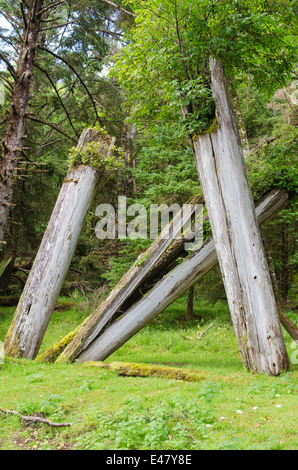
(160, 59)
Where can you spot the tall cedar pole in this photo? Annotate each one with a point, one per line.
(166, 291)
(51, 264)
(221, 167)
(13, 139)
(274, 202)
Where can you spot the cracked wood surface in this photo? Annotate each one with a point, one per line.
(169, 289)
(52, 261)
(158, 260)
(221, 167)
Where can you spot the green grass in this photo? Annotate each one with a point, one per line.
(231, 409)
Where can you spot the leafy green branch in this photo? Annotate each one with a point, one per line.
(92, 155)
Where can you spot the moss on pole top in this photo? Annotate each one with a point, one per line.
(97, 149)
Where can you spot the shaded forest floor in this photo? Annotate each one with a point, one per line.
(229, 409)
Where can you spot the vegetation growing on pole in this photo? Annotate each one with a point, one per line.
(92, 154)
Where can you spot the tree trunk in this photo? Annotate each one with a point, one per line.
(266, 209)
(166, 291)
(5, 277)
(54, 255)
(241, 125)
(149, 267)
(4, 264)
(13, 139)
(237, 238)
(289, 326)
(6, 269)
(284, 277)
(190, 299)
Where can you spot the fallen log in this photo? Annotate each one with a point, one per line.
(49, 269)
(166, 291)
(164, 253)
(150, 266)
(238, 244)
(129, 369)
(270, 205)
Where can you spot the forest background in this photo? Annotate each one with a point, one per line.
(79, 80)
(71, 90)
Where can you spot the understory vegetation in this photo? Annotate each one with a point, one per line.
(230, 408)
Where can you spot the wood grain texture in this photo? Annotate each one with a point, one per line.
(135, 282)
(167, 290)
(52, 261)
(237, 238)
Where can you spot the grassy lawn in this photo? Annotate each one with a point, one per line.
(230, 409)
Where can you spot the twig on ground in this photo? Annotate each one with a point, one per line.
(199, 336)
(205, 331)
(37, 419)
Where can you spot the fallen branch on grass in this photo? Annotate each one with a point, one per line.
(205, 331)
(37, 419)
(146, 370)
